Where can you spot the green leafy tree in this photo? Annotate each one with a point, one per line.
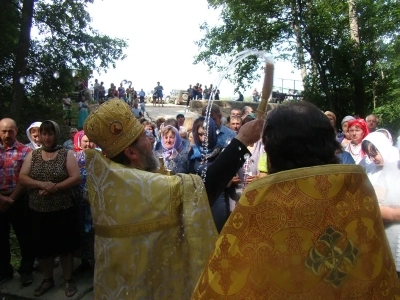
(388, 97)
(9, 18)
(334, 43)
(66, 41)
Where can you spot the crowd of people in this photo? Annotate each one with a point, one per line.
(239, 189)
(197, 92)
(43, 196)
(129, 94)
(83, 110)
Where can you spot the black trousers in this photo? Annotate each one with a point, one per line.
(19, 218)
(220, 211)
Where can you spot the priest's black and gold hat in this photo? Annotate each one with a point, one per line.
(113, 127)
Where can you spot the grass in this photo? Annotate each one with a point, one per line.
(15, 252)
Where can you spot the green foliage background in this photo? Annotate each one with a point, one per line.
(65, 42)
(341, 74)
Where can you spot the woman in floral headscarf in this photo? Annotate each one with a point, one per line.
(358, 130)
(174, 154)
(82, 143)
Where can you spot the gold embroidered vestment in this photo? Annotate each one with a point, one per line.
(311, 233)
(154, 233)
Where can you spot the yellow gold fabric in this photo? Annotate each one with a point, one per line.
(154, 233)
(311, 233)
(110, 134)
(262, 163)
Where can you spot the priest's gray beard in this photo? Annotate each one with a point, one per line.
(149, 161)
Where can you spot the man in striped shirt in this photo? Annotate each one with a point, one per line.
(13, 204)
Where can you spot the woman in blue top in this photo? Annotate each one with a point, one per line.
(202, 154)
(83, 112)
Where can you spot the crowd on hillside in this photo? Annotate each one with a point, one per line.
(130, 95)
(194, 92)
(44, 196)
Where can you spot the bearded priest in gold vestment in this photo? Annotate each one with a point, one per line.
(154, 232)
(311, 229)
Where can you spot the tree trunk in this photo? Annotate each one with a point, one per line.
(325, 87)
(314, 52)
(21, 56)
(299, 44)
(300, 53)
(359, 97)
(354, 33)
(358, 68)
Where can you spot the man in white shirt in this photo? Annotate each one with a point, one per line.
(372, 123)
(96, 90)
(136, 111)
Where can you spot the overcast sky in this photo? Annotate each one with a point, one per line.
(161, 37)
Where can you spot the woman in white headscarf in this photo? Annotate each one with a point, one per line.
(386, 133)
(385, 178)
(380, 152)
(33, 135)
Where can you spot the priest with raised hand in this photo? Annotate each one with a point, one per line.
(311, 229)
(154, 232)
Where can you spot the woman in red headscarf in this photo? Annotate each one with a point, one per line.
(82, 143)
(358, 130)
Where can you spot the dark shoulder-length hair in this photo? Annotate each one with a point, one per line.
(369, 148)
(212, 132)
(47, 127)
(298, 135)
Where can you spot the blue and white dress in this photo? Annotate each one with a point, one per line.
(83, 113)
